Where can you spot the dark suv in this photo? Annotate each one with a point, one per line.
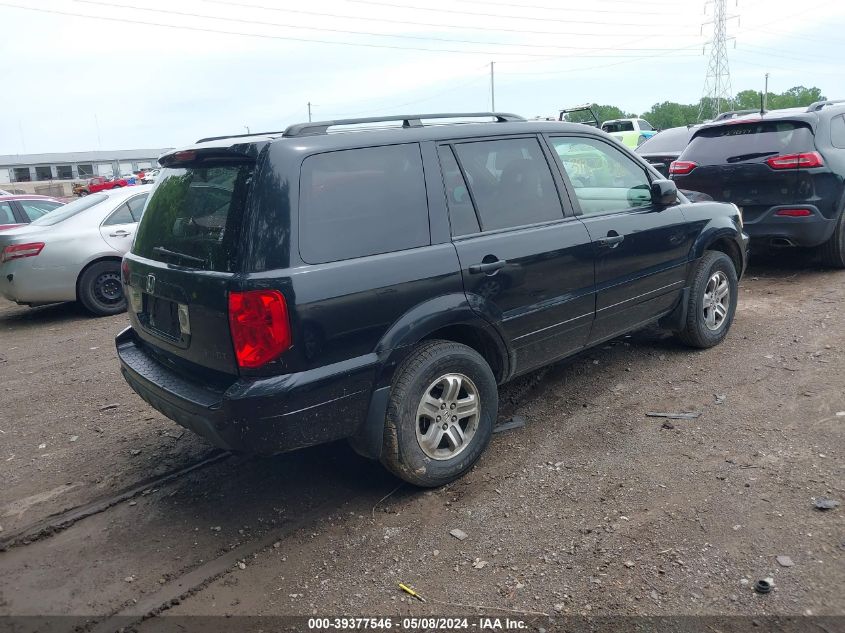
(785, 169)
(287, 289)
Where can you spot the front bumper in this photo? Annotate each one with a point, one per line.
(811, 230)
(255, 415)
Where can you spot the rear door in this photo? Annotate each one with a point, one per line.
(730, 164)
(118, 228)
(525, 262)
(641, 251)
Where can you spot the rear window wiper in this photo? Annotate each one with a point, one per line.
(742, 157)
(188, 258)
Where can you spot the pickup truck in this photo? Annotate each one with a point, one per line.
(630, 132)
(98, 183)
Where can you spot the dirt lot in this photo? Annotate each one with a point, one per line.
(591, 508)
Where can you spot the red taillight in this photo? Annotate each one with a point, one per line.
(185, 155)
(794, 213)
(682, 167)
(258, 320)
(16, 251)
(796, 161)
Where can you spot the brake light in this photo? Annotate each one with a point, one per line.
(682, 167)
(185, 155)
(16, 251)
(258, 320)
(796, 161)
(794, 213)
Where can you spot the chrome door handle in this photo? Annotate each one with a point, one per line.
(487, 267)
(611, 241)
(119, 233)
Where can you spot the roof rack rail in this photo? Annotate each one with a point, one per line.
(408, 121)
(818, 105)
(732, 114)
(219, 138)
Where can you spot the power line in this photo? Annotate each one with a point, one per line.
(135, 21)
(348, 32)
(511, 5)
(468, 27)
(509, 16)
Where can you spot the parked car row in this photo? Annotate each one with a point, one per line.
(17, 210)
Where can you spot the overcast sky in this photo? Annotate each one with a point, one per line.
(74, 80)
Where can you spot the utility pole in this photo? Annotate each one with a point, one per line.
(309, 112)
(492, 89)
(246, 127)
(766, 93)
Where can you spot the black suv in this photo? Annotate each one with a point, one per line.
(287, 289)
(785, 169)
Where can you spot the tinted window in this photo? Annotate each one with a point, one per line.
(361, 202)
(6, 215)
(34, 209)
(122, 215)
(837, 131)
(604, 179)
(70, 209)
(461, 211)
(618, 126)
(510, 181)
(755, 141)
(645, 125)
(671, 141)
(195, 212)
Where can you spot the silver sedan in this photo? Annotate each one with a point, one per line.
(73, 253)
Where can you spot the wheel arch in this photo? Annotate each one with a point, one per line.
(102, 258)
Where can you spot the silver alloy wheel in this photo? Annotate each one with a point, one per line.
(447, 416)
(716, 301)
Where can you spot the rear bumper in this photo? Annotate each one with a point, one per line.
(256, 415)
(22, 283)
(811, 230)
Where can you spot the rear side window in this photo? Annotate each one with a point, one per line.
(748, 142)
(136, 207)
(837, 131)
(127, 213)
(360, 202)
(461, 212)
(510, 182)
(194, 215)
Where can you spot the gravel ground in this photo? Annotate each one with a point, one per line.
(591, 508)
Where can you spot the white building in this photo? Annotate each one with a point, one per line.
(76, 165)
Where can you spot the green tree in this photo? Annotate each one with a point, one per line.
(603, 113)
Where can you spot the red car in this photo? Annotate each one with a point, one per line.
(23, 209)
(98, 183)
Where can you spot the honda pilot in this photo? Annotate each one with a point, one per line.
(378, 279)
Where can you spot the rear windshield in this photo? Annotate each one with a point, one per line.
(193, 216)
(743, 142)
(618, 126)
(69, 210)
(671, 141)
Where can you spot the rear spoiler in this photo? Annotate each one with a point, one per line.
(587, 107)
(199, 154)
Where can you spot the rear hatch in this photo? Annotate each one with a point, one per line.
(750, 163)
(186, 253)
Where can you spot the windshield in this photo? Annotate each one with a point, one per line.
(618, 126)
(193, 216)
(69, 210)
(671, 141)
(755, 141)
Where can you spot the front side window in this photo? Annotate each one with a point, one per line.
(510, 182)
(34, 209)
(360, 202)
(603, 178)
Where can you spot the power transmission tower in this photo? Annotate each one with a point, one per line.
(718, 94)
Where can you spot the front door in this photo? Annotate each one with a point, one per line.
(526, 263)
(641, 250)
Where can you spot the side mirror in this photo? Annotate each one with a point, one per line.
(664, 193)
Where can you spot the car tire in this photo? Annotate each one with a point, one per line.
(439, 377)
(833, 250)
(711, 302)
(100, 290)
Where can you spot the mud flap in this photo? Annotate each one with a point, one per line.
(677, 318)
(370, 437)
